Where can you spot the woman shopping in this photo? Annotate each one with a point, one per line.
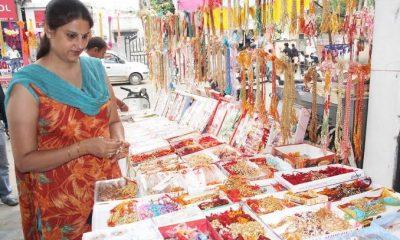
(65, 131)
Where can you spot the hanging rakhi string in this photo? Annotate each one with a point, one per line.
(244, 60)
(270, 26)
(327, 66)
(293, 18)
(310, 28)
(261, 57)
(228, 89)
(301, 17)
(339, 112)
(288, 117)
(312, 76)
(259, 22)
(326, 17)
(284, 15)
(362, 74)
(345, 144)
(273, 108)
(220, 68)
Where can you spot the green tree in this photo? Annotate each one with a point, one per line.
(163, 7)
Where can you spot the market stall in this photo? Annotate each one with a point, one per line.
(224, 155)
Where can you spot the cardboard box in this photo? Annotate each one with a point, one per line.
(309, 155)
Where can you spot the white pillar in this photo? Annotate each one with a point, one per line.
(383, 122)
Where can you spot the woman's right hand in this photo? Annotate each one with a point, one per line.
(101, 147)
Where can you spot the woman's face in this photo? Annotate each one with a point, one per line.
(69, 40)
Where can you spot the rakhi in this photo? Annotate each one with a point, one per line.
(220, 67)
(213, 203)
(183, 232)
(301, 17)
(309, 197)
(362, 73)
(288, 117)
(199, 160)
(250, 98)
(326, 17)
(339, 111)
(303, 177)
(228, 77)
(273, 108)
(32, 39)
(118, 192)
(269, 204)
(244, 61)
(236, 224)
(259, 22)
(327, 66)
(293, 18)
(284, 16)
(310, 28)
(183, 143)
(311, 224)
(237, 187)
(346, 189)
(345, 144)
(261, 71)
(242, 168)
(312, 76)
(335, 21)
(156, 208)
(208, 141)
(123, 213)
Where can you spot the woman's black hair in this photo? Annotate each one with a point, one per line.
(59, 13)
(96, 42)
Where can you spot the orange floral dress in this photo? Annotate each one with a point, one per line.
(57, 204)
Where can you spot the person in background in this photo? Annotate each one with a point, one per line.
(97, 48)
(64, 128)
(294, 51)
(15, 57)
(286, 50)
(5, 187)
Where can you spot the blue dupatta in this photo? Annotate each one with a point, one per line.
(89, 99)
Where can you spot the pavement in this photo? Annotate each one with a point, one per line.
(10, 218)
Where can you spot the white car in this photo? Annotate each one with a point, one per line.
(119, 70)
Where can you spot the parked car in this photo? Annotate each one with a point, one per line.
(119, 70)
